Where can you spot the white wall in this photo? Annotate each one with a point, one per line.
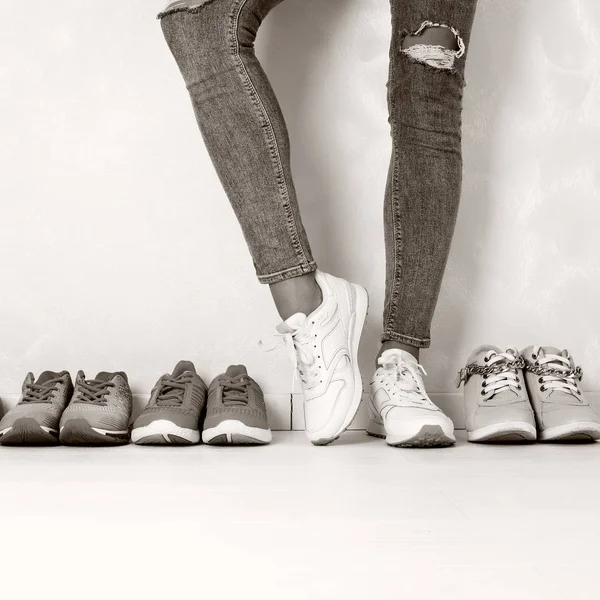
(119, 250)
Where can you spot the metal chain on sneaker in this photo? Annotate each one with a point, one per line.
(474, 369)
(541, 370)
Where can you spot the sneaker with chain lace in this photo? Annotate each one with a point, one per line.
(99, 412)
(497, 407)
(235, 411)
(324, 350)
(173, 413)
(34, 421)
(400, 409)
(562, 411)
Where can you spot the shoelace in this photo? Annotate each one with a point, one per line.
(302, 350)
(507, 377)
(172, 390)
(560, 375)
(235, 391)
(404, 379)
(94, 391)
(35, 393)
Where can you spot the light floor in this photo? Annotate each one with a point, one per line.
(353, 520)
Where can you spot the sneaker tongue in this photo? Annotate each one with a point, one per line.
(292, 324)
(104, 376)
(46, 376)
(478, 354)
(182, 367)
(234, 371)
(553, 350)
(395, 356)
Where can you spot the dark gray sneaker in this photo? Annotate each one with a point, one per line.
(235, 411)
(174, 410)
(34, 421)
(99, 413)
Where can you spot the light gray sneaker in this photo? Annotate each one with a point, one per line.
(497, 407)
(34, 421)
(236, 411)
(173, 413)
(99, 413)
(561, 409)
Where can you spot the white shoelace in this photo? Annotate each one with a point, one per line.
(302, 351)
(559, 383)
(506, 379)
(403, 377)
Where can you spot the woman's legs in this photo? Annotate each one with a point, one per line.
(246, 137)
(427, 62)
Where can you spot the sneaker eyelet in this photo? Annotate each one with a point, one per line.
(486, 359)
(534, 356)
(483, 392)
(542, 389)
(519, 387)
(540, 380)
(485, 376)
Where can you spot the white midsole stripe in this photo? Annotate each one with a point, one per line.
(110, 431)
(165, 428)
(42, 427)
(233, 427)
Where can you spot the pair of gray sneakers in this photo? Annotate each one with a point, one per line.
(524, 396)
(230, 411)
(52, 410)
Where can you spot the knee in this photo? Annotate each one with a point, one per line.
(435, 45)
(200, 35)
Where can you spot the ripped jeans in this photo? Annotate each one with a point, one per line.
(246, 136)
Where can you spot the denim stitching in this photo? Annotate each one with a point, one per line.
(396, 226)
(288, 273)
(389, 335)
(268, 129)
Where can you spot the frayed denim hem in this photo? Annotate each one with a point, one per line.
(290, 273)
(190, 9)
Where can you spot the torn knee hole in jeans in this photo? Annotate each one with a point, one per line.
(434, 44)
(191, 6)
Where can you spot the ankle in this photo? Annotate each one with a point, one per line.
(296, 295)
(393, 345)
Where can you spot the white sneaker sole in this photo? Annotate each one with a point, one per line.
(343, 414)
(417, 433)
(504, 432)
(164, 432)
(571, 432)
(235, 432)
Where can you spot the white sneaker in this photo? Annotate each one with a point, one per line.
(400, 410)
(325, 354)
